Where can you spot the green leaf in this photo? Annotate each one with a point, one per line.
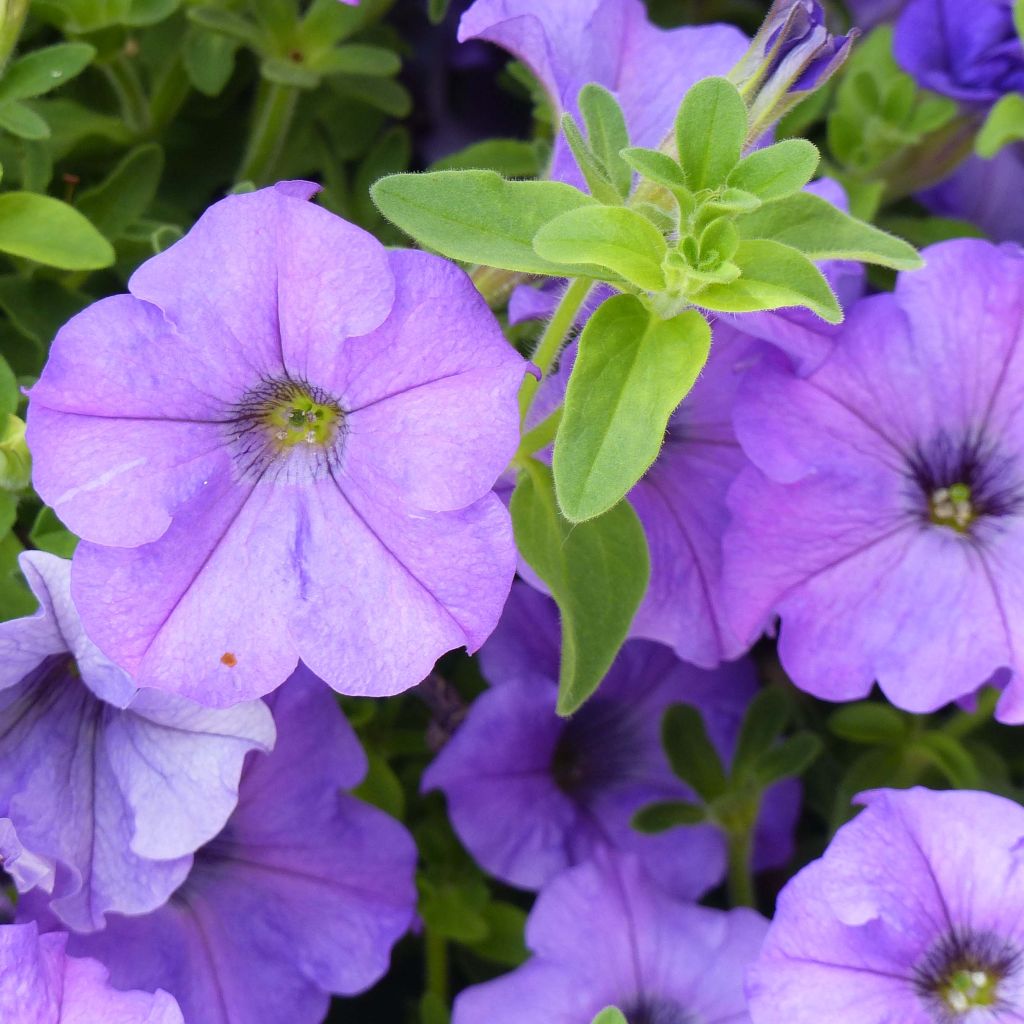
(657, 166)
(610, 1015)
(126, 193)
(789, 759)
(42, 70)
(384, 94)
(16, 600)
(607, 134)
(48, 533)
(774, 276)
(1018, 18)
(381, 787)
(691, 753)
(597, 572)
(455, 909)
(711, 129)
(436, 10)
(613, 237)
(763, 723)
(776, 171)
(288, 72)
(504, 943)
(226, 23)
(512, 158)
(10, 394)
(479, 217)
(594, 174)
(209, 60)
(15, 460)
(822, 232)
(631, 372)
(665, 814)
(38, 307)
(951, 758)
(23, 121)
(48, 231)
(357, 59)
(868, 722)
(1004, 124)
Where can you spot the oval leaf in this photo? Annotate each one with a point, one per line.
(479, 217)
(597, 573)
(776, 171)
(710, 132)
(613, 237)
(48, 231)
(631, 372)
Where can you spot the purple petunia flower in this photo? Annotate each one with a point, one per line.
(603, 935)
(105, 791)
(869, 13)
(969, 51)
(883, 516)
(530, 793)
(913, 915)
(302, 894)
(40, 984)
(572, 42)
(281, 445)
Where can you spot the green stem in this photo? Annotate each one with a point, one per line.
(272, 117)
(11, 21)
(741, 875)
(553, 338)
(541, 435)
(436, 956)
(124, 80)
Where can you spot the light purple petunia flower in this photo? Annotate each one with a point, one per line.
(105, 791)
(969, 51)
(913, 915)
(572, 42)
(303, 893)
(530, 793)
(281, 445)
(603, 935)
(40, 984)
(883, 518)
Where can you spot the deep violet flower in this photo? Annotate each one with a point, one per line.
(530, 793)
(281, 445)
(969, 51)
(882, 515)
(105, 791)
(303, 893)
(867, 14)
(40, 984)
(913, 915)
(603, 935)
(572, 42)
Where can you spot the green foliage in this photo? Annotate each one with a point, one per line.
(631, 372)
(1004, 124)
(478, 216)
(711, 129)
(610, 1015)
(776, 171)
(43, 229)
(597, 572)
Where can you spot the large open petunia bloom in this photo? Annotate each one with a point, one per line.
(883, 515)
(530, 793)
(603, 935)
(41, 984)
(913, 915)
(105, 791)
(281, 446)
(302, 894)
(611, 42)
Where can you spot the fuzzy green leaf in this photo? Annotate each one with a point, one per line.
(607, 134)
(614, 237)
(48, 231)
(631, 372)
(773, 276)
(610, 1015)
(480, 217)
(776, 171)
(691, 753)
(710, 131)
(594, 173)
(597, 572)
(821, 232)
(21, 120)
(665, 814)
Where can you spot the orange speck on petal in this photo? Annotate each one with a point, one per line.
(227, 658)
